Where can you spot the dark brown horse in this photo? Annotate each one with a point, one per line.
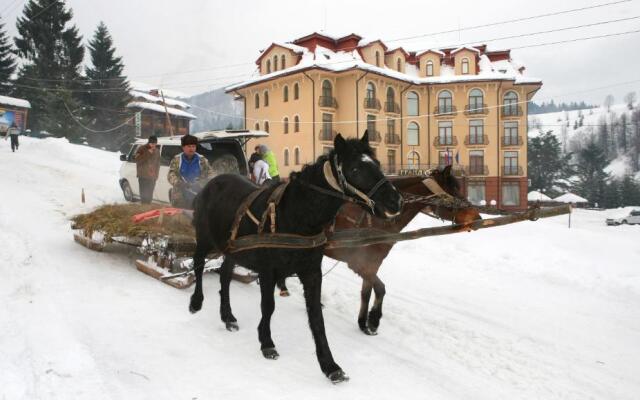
(366, 263)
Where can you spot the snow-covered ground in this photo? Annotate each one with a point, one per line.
(528, 311)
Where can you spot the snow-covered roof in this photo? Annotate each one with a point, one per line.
(161, 109)
(570, 198)
(537, 196)
(158, 99)
(291, 46)
(145, 87)
(473, 49)
(339, 61)
(12, 101)
(226, 134)
(441, 53)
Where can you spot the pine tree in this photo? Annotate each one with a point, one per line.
(547, 166)
(630, 192)
(7, 62)
(590, 171)
(51, 54)
(108, 93)
(612, 195)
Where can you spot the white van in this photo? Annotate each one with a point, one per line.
(223, 149)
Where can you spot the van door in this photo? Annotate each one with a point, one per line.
(128, 171)
(161, 192)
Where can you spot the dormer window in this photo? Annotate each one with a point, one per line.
(275, 63)
(429, 68)
(257, 100)
(399, 65)
(465, 66)
(377, 59)
(268, 66)
(282, 63)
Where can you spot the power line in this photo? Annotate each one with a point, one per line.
(576, 40)
(93, 130)
(11, 5)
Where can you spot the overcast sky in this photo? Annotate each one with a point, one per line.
(189, 45)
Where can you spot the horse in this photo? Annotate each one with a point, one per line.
(308, 205)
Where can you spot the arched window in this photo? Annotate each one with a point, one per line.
(476, 100)
(391, 95)
(266, 126)
(465, 66)
(286, 157)
(282, 64)
(285, 94)
(296, 91)
(390, 104)
(510, 104)
(371, 91)
(266, 98)
(377, 59)
(327, 89)
(296, 156)
(285, 123)
(257, 100)
(257, 126)
(429, 68)
(413, 160)
(445, 102)
(275, 63)
(399, 65)
(413, 134)
(296, 124)
(268, 66)
(413, 108)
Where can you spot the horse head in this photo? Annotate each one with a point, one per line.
(358, 175)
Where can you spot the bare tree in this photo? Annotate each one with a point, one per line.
(630, 98)
(608, 102)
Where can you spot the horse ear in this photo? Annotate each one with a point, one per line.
(365, 137)
(339, 144)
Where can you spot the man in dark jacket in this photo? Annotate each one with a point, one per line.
(188, 173)
(147, 166)
(13, 133)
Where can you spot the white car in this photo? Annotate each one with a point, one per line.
(223, 149)
(631, 219)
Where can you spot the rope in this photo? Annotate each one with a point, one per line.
(331, 269)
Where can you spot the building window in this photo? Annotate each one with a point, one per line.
(286, 157)
(413, 160)
(445, 158)
(285, 124)
(275, 63)
(257, 100)
(445, 133)
(266, 98)
(476, 131)
(371, 91)
(399, 65)
(266, 126)
(510, 133)
(371, 127)
(445, 102)
(465, 66)
(327, 91)
(391, 126)
(476, 193)
(282, 63)
(510, 193)
(327, 127)
(476, 101)
(268, 66)
(510, 104)
(476, 162)
(391, 161)
(510, 163)
(296, 124)
(429, 68)
(377, 59)
(296, 156)
(257, 126)
(413, 108)
(296, 91)
(413, 134)
(285, 94)
(391, 95)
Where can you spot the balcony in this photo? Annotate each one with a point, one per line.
(476, 109)
(445, 111)
(371, 103)
(512, 170)
(511, 111)
(374, 136)
(477, 170)
(327, 134)
(392, 107)
(327, 102)
(392, 139)
(476, 140)
(511, 141)
(445, 141)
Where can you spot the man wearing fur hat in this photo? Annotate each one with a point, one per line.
(188, 173)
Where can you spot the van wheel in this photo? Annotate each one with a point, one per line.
(126, 191)
(624, 221)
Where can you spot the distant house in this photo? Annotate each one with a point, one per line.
(13, 110)
(572, 198)
(537, 196)
(158, 115)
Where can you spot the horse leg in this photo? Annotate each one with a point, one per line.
(365, 295)
(226, 315)
(198, 266)
(376, 311)
(312, 282)
(284, 292)
(267, 305)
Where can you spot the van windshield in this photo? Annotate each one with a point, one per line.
(224, 156)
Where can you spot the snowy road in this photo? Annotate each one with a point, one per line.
(528, 311)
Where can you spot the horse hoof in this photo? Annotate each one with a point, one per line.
(338, 377)
(194, 309)
(284, 293)
(270, 353)
(232, 326)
